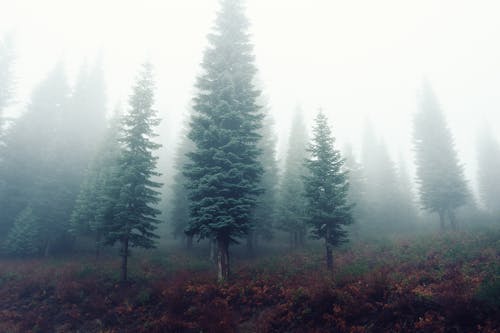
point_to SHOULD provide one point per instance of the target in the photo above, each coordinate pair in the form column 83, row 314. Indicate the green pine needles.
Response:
column 23, row 239
column 326, row 189
column 224, row 169
column 440, row 176
column 133, row 195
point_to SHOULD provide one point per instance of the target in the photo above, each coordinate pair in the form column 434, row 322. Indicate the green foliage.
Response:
column 264, row 214
column 84, row 216
column 94, row 204
column 407, row 208
column 386, row 203
column 488, row 157
column 83, row 130
column 33, row 172
column 132, row 193
column 489, row 291
column 440, row 176
column 357, row 188
column 179, row 216
column 326, row 186
column 292, row 205
column 46, row 152
column 224, row 169
column 23, row 239
column 353, row 271
column 85, row 121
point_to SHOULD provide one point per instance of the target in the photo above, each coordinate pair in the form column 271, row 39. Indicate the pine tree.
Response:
column 54, row 193
column 224, row 170
column 264, row 214
column 357, row 185
column 406, row 199
column 180, row 200
column 32, row 170
column 327, row 189
column 45, row 157
column 93, row 207
column 291, row 202
column 440, row 176
column 23, row 239
column 85, row 120
column 134, row 214
column 83, row 127
column 488, row 158
column 381, row 190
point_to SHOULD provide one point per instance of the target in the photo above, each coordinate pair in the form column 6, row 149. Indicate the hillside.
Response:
column 446, row 283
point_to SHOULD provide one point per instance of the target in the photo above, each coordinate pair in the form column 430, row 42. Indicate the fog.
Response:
column 249, row 166
column 354, row 59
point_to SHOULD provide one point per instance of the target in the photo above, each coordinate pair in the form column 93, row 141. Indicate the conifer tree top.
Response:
column 326, row 186
column 440, row 175
column 224, row 170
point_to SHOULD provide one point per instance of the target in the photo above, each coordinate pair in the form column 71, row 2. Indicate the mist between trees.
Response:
column 74, row 179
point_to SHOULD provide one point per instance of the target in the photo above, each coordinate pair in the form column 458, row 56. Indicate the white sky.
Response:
column 354, row 58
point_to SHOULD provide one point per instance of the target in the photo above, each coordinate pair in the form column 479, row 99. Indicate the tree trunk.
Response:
column 453, row 220
column 441, row 221
column 222, row 260
column 124, row 260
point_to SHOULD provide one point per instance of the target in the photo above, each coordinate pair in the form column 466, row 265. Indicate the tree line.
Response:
column 67, row 170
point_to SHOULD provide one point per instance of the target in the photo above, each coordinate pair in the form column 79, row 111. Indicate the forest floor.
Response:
column 434, row 283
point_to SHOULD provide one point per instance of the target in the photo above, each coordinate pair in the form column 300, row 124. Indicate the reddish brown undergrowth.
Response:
column 435, row 285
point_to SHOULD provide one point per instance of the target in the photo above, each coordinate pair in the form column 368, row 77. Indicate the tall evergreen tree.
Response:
column 224, row 171
column 179, row 215
column 488, row 158
column 94, row 205
column 381, row 190
column 46, row 154
column 440, row 176
column 32, row 170
column 86, row 117
column 54, row 193
column 357, row 185
column 291, row 199
column 264, row 214
column 83, row 126
column 406, row 198
column 23, row 238
column 134, row 213
column 327, row 189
